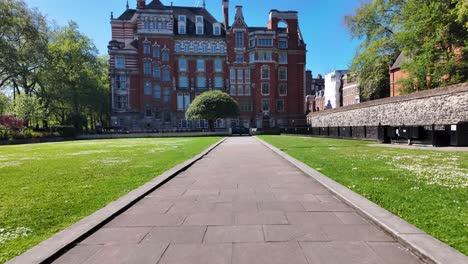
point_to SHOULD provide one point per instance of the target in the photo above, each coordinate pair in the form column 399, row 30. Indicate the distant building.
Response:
column 351, row 93
column 162, row 57
column 314, row 92
column 333, row 89
column 397, row 75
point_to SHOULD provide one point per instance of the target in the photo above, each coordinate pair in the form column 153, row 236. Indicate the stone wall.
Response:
column 448, row 105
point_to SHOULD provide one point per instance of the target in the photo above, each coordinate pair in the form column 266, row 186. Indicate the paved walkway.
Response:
column 240, row 204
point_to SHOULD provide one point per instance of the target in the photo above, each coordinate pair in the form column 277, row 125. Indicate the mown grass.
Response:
column 48, row 187
column 425, row 187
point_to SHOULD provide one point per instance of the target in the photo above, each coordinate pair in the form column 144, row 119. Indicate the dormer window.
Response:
column 216, row 29
column 199, row 25
column 182, row 24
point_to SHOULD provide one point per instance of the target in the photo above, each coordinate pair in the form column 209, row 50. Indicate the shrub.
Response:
column 66, row 131
column 12, row 123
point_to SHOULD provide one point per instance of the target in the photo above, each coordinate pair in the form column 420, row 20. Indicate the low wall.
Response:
column 443, row 106
column 154, row 135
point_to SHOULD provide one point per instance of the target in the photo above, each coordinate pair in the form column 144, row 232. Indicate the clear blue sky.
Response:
column 328, row 42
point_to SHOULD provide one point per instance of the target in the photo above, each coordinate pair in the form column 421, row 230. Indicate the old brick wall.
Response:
column 448, row 105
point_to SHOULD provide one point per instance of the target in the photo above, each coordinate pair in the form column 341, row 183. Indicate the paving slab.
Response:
column 241, row 203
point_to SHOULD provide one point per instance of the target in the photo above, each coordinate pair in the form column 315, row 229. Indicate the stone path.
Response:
column 240, row 204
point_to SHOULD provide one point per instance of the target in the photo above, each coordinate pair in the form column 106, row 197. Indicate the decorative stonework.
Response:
column 200, row 46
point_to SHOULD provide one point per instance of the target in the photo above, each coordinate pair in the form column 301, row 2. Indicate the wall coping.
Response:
column 452, row 89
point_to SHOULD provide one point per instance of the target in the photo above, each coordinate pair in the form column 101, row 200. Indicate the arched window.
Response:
column 282, row 24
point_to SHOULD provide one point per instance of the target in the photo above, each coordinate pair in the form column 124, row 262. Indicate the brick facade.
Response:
column 162, row 57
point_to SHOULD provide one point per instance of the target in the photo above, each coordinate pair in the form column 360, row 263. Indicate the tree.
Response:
column 211, row 106
column 23, row 44
column 375, row 22
column 4, row 103
column 74, row 84
column 434, row 35
column 27, row 108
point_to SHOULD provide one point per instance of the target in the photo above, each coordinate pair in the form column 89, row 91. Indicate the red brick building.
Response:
column 162, row 57
column 397, row 75
column 351, row 91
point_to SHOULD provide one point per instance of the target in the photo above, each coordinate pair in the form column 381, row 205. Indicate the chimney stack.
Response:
column 239, row 12
column 141, row 3
column 226, row 13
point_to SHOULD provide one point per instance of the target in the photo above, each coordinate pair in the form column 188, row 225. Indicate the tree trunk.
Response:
column 211, row 125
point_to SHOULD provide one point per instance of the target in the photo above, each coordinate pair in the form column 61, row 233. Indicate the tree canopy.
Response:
column 58, row 70
column 432, row 33
column 211, row 106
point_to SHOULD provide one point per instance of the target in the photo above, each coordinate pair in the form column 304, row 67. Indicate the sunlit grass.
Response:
column 425, row 187
column 48, row 187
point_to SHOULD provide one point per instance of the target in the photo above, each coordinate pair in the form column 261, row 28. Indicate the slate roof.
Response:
column 127, row 15
column 400, row 60
column 190, row 13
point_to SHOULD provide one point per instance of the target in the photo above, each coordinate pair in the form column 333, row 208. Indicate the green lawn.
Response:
column 426, row 188
column 48, row 187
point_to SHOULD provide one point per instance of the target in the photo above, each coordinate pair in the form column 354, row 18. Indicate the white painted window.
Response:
column 282, row 89
column 265, row 88
column 283, row 74
column 265, row 73
column 265, row 105
column 182, row 25
column 216, row 29
column 199, row 25
column 240, row 75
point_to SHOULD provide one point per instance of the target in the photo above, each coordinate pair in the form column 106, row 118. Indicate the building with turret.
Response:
column 162, row 57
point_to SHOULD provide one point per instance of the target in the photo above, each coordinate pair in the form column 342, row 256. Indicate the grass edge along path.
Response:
column 48, row 187
column 424, row 187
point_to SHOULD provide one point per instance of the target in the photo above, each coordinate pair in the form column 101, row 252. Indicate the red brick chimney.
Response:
column 226, row 13
column 141, row 3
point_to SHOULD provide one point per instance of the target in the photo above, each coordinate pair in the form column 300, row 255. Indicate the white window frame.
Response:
column 261, row 88
column 199, row 25
column 265, row 77
column 217, row 29
column 285, row 70
column 285, row 89
column 182, row 25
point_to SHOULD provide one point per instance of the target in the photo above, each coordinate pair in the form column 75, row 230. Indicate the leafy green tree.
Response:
column 434, row 35
column 375, row 22
column 24, row 36
column 211, row 106
column 4, row 103
column 27, row 108
column 75, row 86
